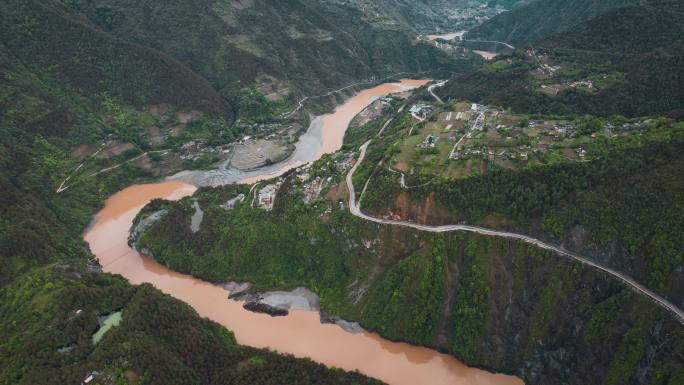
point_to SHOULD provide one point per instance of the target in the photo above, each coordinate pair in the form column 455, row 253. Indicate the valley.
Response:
column 341, row 192
column 301, row 333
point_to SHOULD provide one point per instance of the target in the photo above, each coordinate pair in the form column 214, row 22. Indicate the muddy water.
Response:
column 300, row 333
column 325, row 135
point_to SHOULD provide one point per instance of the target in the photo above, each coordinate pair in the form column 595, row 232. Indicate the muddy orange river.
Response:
column 300, row 333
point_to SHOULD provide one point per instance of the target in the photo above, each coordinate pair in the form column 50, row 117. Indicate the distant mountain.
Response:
column 439, row 16
column 541, row 18
column 200, row 55
column 309, row 45
column 633, row 56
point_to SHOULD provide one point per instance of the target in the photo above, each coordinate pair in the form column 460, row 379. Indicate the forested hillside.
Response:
column 52, row 293
column 88, row 74
column 595, row 208
column 65, row 51
column 86, row 86
column 632, row 56
column 540, row 19
column 311, row 46
column 494, row 303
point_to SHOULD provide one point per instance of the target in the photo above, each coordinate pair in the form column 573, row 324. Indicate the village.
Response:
column 552, row 78
column 313, row 181
column 463, row 139
column 262, row 144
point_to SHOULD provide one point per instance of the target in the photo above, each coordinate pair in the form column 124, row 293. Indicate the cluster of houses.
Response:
column 312, row 188
column 546, row 69
column 429, row 142
column 581, row 84
column 466, row 151
column 472, row 15
column 286, row 131
column 522, row 155
column 194, row 149
column 478, row 108
column 554, row 89
column 478, row 123
column 492, row 153
column 345, row 162
column 267, row 196
column 520, row 143
column 563, row 131
column 421, row 110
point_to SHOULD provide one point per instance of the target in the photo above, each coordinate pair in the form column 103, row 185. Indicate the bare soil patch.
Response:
column 160, row 109
column 337, row 192
column 154, row 135
column 84, row 150
column 255, row 154
column 114, row 148
column 185, row 117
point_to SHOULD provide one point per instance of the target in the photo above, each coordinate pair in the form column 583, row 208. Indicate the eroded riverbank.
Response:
column 324, row 135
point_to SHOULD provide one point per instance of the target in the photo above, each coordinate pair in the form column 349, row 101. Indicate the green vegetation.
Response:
column 642, row 42
column 522, row 195
column 72, row 76
column 255, row 107
column 469, row 310
column 51, row 293
column 627, row 356
column 110, row 321
column 289, row 249
column 648, row 229
column 479, row 298
column 240, row 42
column 80, row 72
column 603, row 198
column 47, row 318
column 419, row 278
column 541, row 18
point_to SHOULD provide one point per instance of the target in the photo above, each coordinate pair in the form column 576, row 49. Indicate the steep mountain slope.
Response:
column 72, row 76
column 633, row 55
column 59, row 47
column 540, row 19
column 51, row 292
column 309, row 45
column 593, row 208
column 72, row 70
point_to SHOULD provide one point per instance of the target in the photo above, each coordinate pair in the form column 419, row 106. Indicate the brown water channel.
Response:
column 300, row 333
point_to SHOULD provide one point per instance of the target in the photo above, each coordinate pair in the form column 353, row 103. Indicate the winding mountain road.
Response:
column 431, row 90
column 355, row 209
column 491, row 41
